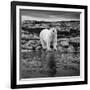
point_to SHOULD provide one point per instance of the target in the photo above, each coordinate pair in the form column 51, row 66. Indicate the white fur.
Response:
column 48, row 36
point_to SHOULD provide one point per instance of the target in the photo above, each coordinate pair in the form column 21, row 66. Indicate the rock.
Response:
column 64, row 43
column 70, row 49
column 60, row 48
column 38, row 47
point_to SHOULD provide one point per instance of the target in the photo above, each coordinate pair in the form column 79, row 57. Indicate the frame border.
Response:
column 13, row 44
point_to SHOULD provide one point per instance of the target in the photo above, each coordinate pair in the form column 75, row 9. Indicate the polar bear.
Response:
column 48, row 37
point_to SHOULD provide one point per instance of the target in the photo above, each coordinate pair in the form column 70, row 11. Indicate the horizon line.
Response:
column 50, row 20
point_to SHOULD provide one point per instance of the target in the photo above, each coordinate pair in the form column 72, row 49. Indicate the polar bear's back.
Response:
column 44, row 33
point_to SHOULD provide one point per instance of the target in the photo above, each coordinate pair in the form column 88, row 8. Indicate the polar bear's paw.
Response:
column 49, row 49
column 55, row 49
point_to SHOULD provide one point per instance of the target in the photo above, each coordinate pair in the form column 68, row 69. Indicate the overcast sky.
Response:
column 42, row 15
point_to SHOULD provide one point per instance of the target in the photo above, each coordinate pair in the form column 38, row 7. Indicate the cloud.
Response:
column 49, row 15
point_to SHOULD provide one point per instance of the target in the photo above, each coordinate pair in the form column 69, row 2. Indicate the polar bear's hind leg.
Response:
column 48, row 46
column 43, row 44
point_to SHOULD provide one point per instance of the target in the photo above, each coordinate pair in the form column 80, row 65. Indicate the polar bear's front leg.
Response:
column 55, row 45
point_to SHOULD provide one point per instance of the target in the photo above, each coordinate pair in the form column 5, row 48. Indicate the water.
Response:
column 38, row 64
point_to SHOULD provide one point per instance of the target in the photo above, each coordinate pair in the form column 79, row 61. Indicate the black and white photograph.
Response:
column 50, row 44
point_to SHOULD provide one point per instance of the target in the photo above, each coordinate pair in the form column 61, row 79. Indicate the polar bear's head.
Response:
column 53, row 31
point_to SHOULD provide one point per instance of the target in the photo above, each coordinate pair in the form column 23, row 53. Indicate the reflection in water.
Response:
column 48, row 63
column 35, row 64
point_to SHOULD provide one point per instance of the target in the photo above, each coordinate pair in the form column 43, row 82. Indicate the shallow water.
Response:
column 35, row 64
